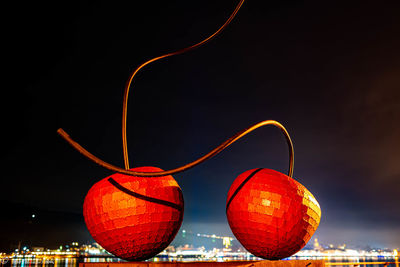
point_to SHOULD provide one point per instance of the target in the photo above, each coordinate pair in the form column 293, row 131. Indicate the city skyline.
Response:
column 188, row 240
column 328, row 72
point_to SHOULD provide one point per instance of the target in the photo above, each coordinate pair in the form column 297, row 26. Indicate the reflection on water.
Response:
column 335, row 261
column 74, row 262
column 53, row 262
column 379, row 261
column 45, row 262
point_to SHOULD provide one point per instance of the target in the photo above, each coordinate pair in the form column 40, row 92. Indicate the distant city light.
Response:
column 226, row 241
column 225, row 252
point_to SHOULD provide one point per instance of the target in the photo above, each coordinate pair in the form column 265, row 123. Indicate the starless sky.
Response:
column 329, row 72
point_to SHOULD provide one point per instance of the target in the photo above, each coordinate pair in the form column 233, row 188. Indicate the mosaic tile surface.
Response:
column 272, row 215
column 134, row 218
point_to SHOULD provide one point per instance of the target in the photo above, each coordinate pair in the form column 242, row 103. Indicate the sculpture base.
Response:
column 262, row 263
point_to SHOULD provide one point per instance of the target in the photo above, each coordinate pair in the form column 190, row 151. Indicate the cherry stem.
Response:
column 207, row 156
column 129, row 82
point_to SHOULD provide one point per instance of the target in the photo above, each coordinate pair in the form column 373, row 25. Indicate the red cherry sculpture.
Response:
column 134, row 218
column 272, row 215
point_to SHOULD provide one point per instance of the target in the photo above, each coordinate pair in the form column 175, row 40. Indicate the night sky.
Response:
column 329, row 72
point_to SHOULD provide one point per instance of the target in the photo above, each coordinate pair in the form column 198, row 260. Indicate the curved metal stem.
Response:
column 207, row 156
column 129, row 82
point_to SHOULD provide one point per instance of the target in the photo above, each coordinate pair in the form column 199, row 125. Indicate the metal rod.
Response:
column 129, row 82
column 207, row 156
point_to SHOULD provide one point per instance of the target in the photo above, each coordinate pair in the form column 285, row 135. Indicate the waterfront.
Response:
column 74, row 261
column 70, row 255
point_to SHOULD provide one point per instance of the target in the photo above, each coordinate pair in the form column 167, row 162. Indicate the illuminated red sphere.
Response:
column 272, row 215
column 132, row 217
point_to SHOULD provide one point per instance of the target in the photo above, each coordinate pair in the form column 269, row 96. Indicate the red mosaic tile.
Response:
column 134, row 218
column 272, row 215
